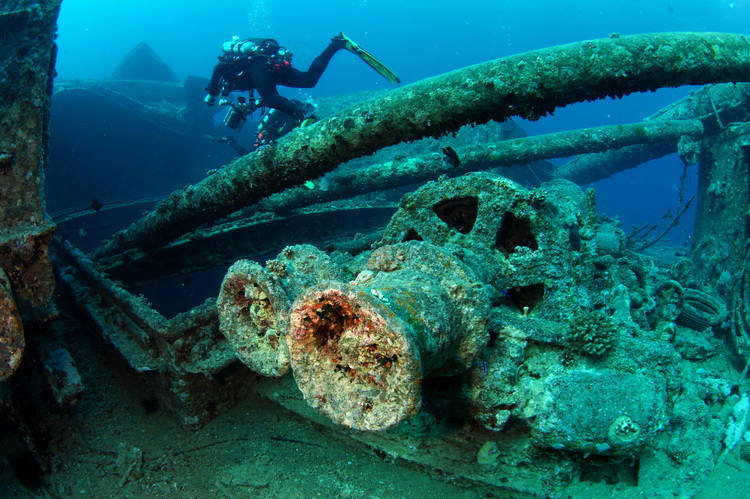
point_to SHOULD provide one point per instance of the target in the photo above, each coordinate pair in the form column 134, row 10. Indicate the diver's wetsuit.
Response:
column 260, row 73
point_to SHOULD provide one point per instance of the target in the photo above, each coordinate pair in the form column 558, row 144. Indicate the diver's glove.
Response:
column 339, row 42
column 210, row 99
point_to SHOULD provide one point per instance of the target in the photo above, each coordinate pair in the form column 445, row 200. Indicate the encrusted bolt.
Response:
column 623, row 431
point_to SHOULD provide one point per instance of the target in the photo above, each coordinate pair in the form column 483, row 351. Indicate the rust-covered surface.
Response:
column 254, row 304
column 185, row 359
column 26, row 71
column 723, row 197
column 12, row 341
column 360, row 350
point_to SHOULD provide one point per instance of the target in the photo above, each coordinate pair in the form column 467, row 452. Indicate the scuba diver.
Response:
column 261, row 64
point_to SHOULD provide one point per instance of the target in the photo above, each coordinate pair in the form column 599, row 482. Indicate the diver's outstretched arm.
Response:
column 290, row 77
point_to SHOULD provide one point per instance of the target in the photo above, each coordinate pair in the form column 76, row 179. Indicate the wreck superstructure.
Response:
column 28, row 55
column 560, row 341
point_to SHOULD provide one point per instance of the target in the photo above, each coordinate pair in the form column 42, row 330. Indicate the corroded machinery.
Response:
column 418, row 306
column 564, row 342
column 360, row 350
column 254, row 304
column 401, row 319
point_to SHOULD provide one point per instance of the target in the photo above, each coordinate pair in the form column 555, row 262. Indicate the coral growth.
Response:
column 592, row 332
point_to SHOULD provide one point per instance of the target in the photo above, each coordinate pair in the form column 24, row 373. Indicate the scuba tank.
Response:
column 250, row 47
column 236, row 55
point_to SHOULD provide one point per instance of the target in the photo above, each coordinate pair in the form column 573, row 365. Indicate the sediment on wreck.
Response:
column 529, row 85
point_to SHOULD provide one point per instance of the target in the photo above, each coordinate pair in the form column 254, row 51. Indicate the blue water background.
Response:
column 417, row 39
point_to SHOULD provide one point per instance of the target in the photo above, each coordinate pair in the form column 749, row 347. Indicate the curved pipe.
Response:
column 529, row 85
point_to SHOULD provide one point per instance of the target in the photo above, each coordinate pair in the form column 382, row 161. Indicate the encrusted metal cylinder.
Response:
column 12, row 340
column 360, row 350
column 254, row 304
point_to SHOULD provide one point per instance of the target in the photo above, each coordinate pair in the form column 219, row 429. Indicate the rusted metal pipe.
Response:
column 360, row 350
column 529, row 85
column 506, row 153
column 714, row 105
